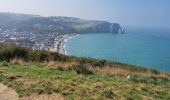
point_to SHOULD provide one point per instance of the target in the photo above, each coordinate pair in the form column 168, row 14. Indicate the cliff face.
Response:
column 98, row 28
column 103, row 28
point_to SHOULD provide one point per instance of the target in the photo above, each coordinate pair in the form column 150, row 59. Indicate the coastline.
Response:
column 60, row 43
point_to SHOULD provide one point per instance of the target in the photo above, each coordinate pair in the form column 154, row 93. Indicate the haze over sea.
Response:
column 149, row 47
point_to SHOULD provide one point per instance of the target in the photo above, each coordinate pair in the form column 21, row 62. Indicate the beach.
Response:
column 59, row 44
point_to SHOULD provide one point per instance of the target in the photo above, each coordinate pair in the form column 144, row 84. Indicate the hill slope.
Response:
column 38, row 72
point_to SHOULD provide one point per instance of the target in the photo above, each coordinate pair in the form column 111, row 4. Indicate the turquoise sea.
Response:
column 149, row 47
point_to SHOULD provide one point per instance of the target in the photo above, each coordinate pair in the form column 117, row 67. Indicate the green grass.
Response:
column 27, row 79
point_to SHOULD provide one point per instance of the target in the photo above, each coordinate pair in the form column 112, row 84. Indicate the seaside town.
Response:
column 53, row 42
column 47, row 33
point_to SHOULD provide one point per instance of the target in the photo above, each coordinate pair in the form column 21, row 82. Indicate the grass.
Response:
column 15, row 54
column 31, row 78
column 40, row 72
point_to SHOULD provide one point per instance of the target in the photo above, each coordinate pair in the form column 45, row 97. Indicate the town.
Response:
column 47, row 42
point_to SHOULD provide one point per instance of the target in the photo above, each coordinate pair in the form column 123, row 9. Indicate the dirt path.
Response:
column 7, row 93
column 43, row 97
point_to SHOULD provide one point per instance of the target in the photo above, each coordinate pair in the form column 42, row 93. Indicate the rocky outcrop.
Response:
column 116, row 28
column 104, row 28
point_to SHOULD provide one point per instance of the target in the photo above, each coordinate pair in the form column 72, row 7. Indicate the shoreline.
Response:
column 60, row 43
column 66, row 40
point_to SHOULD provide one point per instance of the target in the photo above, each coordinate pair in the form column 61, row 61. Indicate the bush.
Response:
column 42, row 56
column 81, row 69
column 10, row 52
column 61, row 68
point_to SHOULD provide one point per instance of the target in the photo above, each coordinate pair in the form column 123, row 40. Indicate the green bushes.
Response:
column 37, row 56
column 93, row 62
column 8, row 52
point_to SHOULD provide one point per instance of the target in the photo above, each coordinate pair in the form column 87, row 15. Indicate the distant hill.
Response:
column 40, row 24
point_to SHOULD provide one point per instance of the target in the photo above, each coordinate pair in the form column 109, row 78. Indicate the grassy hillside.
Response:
column 38, row 72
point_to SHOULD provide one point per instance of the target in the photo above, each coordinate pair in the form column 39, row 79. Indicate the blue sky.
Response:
column 155, row 13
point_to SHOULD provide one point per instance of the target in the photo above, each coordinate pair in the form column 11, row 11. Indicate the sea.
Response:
column 142, row 46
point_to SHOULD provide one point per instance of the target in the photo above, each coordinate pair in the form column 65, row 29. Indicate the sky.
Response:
column 153, row 13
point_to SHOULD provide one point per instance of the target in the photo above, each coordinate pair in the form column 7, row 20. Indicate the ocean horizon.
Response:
column 148, row 47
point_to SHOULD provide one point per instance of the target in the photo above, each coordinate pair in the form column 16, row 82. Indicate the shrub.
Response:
column 61, row 68
column 42, row 56
column 81, row 69
column 10, row 52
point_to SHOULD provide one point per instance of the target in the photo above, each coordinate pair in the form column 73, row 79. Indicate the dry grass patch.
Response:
column 55, row 64
column 16, row 61
column 115, row 70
